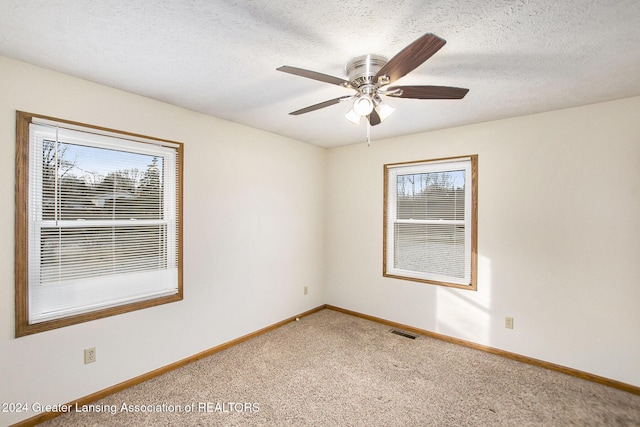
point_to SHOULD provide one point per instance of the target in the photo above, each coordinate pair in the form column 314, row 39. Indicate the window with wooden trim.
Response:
column 430, row 221
column 98, row 222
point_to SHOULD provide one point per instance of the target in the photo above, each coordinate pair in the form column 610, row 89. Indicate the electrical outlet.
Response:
column 306, row 290
column 508, row 322
column 89, row 355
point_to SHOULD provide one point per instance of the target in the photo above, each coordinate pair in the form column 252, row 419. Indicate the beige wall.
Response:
column 559, row 227
column 253, row 238
column 558, row 233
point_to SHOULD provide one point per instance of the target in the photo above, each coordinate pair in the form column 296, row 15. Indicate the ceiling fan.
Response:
column 370, row 76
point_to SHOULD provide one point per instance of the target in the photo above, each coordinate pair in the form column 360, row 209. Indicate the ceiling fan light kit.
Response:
column 353, row 117
column 363, row 105
column 383, row 110
column 370, row 76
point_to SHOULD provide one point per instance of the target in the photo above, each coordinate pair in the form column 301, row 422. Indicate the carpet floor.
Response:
column 333, row 369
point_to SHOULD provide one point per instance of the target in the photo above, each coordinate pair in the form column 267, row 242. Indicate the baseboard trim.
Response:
column 163, row 370
column 152, row 374
column 514, row 356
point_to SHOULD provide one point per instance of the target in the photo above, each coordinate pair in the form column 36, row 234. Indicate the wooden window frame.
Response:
column 22, row 325
column 387, row 240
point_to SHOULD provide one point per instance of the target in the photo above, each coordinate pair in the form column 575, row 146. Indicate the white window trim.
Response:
column 90, row 294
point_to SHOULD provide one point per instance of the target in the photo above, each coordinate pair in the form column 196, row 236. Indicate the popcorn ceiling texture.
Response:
column 517, row 57
column 333, row 369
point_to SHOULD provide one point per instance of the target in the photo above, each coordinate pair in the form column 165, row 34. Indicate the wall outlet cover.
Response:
column 89, row 355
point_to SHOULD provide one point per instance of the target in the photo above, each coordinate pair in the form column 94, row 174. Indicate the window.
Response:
column 430, row 221
column 98, row 222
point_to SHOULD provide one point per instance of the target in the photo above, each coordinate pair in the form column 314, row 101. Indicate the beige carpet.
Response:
column 332, row 369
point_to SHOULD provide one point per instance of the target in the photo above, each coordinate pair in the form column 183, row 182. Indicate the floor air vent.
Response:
column 403, row 334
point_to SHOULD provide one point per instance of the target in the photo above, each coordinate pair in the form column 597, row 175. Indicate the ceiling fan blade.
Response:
column 428, row 92
column 374, row 118
column 410, row 57
column 314, row 75
column 320, row 105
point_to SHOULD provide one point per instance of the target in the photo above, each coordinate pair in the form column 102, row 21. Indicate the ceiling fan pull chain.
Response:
column 368, row 134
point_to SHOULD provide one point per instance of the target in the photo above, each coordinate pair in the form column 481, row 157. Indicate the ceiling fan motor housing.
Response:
column 362, row 69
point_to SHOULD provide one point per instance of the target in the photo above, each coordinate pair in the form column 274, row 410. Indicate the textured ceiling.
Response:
column 220, row 57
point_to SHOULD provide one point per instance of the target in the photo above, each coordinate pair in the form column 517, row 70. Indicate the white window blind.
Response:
column 428, row 221
column 102, row 221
